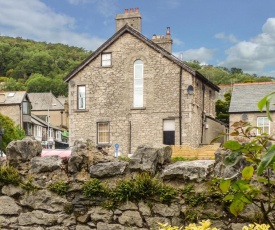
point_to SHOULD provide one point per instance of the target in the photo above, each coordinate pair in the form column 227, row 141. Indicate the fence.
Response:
column 204, row 152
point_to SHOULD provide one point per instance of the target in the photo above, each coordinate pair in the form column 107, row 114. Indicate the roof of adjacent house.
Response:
column 128, row 29
column 246, row 96
column 44, row 101
column 12, row 97
column 37, row 121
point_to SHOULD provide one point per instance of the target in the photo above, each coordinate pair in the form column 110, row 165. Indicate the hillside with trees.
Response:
column 37, row 66
column 40, row 67
column 224, row 76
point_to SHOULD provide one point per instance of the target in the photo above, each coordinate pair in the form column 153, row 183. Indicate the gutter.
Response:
column 180, row 109
column 202, row 113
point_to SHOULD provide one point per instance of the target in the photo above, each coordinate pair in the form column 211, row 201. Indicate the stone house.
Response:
column 243, row 105
column 46, row 105
column 17, row 106
column 133, row 91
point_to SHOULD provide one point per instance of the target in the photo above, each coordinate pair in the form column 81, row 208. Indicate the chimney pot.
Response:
column 136, row 10
column 131, row 10
column 168, row 32
column 126, row 11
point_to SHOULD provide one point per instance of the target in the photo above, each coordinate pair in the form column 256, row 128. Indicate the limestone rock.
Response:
column 82, row 227
column 44, row 199
column 45, row 164
column 108, row 169
column 128, row 206
column 83, row 155
column 8, row 206
column 103, row 226
column 12, row 190
column 4, row 222
column 165, row 210
column 100, row 214
column 131, row 218
column 221, row 170
column 144, row 209
column 147, row 158
column 153, row 221
column 37, row 217
column 23, row 150
column 189, row 170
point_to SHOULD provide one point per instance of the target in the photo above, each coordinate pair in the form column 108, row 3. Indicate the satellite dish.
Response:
column 190, row 89
column 244, row 117
column 72, row 83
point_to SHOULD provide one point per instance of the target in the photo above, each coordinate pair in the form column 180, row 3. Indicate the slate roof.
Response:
column 43, row 101
column 36, row 120
column 12, row 97
column 128, row 29
column 245, row 97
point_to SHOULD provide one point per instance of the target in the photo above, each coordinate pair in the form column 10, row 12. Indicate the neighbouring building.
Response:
column 133, row 91
column 243, row 105
column 17, row 106
column 46, row 105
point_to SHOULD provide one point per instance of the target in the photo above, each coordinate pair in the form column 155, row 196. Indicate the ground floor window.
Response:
column 169, row 132
column 264, row 124
column 103, row 133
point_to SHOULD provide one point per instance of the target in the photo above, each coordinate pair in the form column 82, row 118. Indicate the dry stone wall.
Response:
column 34, row 206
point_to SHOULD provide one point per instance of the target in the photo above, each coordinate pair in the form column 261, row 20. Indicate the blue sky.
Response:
column 235, row 33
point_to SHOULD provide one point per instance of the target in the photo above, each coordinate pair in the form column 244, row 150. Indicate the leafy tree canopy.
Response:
column 21, row 59
column 11, row 131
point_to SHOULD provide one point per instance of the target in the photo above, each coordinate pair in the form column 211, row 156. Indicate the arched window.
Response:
column 138, row 83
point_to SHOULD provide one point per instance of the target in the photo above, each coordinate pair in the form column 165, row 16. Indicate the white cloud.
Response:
column 230, row 37
column 203, row 55
column 177, row 41
column 255, row 55
column 32, row 19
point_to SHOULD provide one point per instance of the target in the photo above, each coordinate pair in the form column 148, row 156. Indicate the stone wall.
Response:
column 33, row 206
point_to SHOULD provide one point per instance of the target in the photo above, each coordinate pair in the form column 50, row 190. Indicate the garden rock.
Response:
column 189, row 170
column 12, row 190
column 44, row 200
column 45, row 164
column 131, row 218
column 23, row 150
column 147, row 158
column 108, row 169
column 37, row 217
column 8, row 206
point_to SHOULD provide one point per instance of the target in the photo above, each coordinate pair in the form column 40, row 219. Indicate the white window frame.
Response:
column 58, row 135
column 38, row 131
column 264, row 124
column 138, row 84
column 106, row 59
column 103, row 131
column 81, row 97
column 51, row 133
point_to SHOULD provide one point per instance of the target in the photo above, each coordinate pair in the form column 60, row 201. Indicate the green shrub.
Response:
column 9, row 175
column 123, row 192
column 28, row 186
column 60, row 187
column 166, row 193
column 94, row 188
column 178, row 158
column 123, row 158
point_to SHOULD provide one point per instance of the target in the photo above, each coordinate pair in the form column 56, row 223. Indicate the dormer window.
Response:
column 106, row 59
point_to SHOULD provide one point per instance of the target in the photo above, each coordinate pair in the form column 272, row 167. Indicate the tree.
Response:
column 12, row 131
column 222, row 108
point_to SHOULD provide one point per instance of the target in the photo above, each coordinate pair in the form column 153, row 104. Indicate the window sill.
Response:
column 138, row 108
column 99, row 146
column 107, row 66
column 81, row 110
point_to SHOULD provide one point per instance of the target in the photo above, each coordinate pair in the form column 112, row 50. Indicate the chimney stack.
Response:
column 164, row 41
column 131, row 17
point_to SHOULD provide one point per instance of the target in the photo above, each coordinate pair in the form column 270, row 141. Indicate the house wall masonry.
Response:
column 109, row 98
column 14, row 112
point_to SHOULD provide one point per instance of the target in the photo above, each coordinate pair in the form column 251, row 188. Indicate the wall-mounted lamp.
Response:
column 190, row 89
